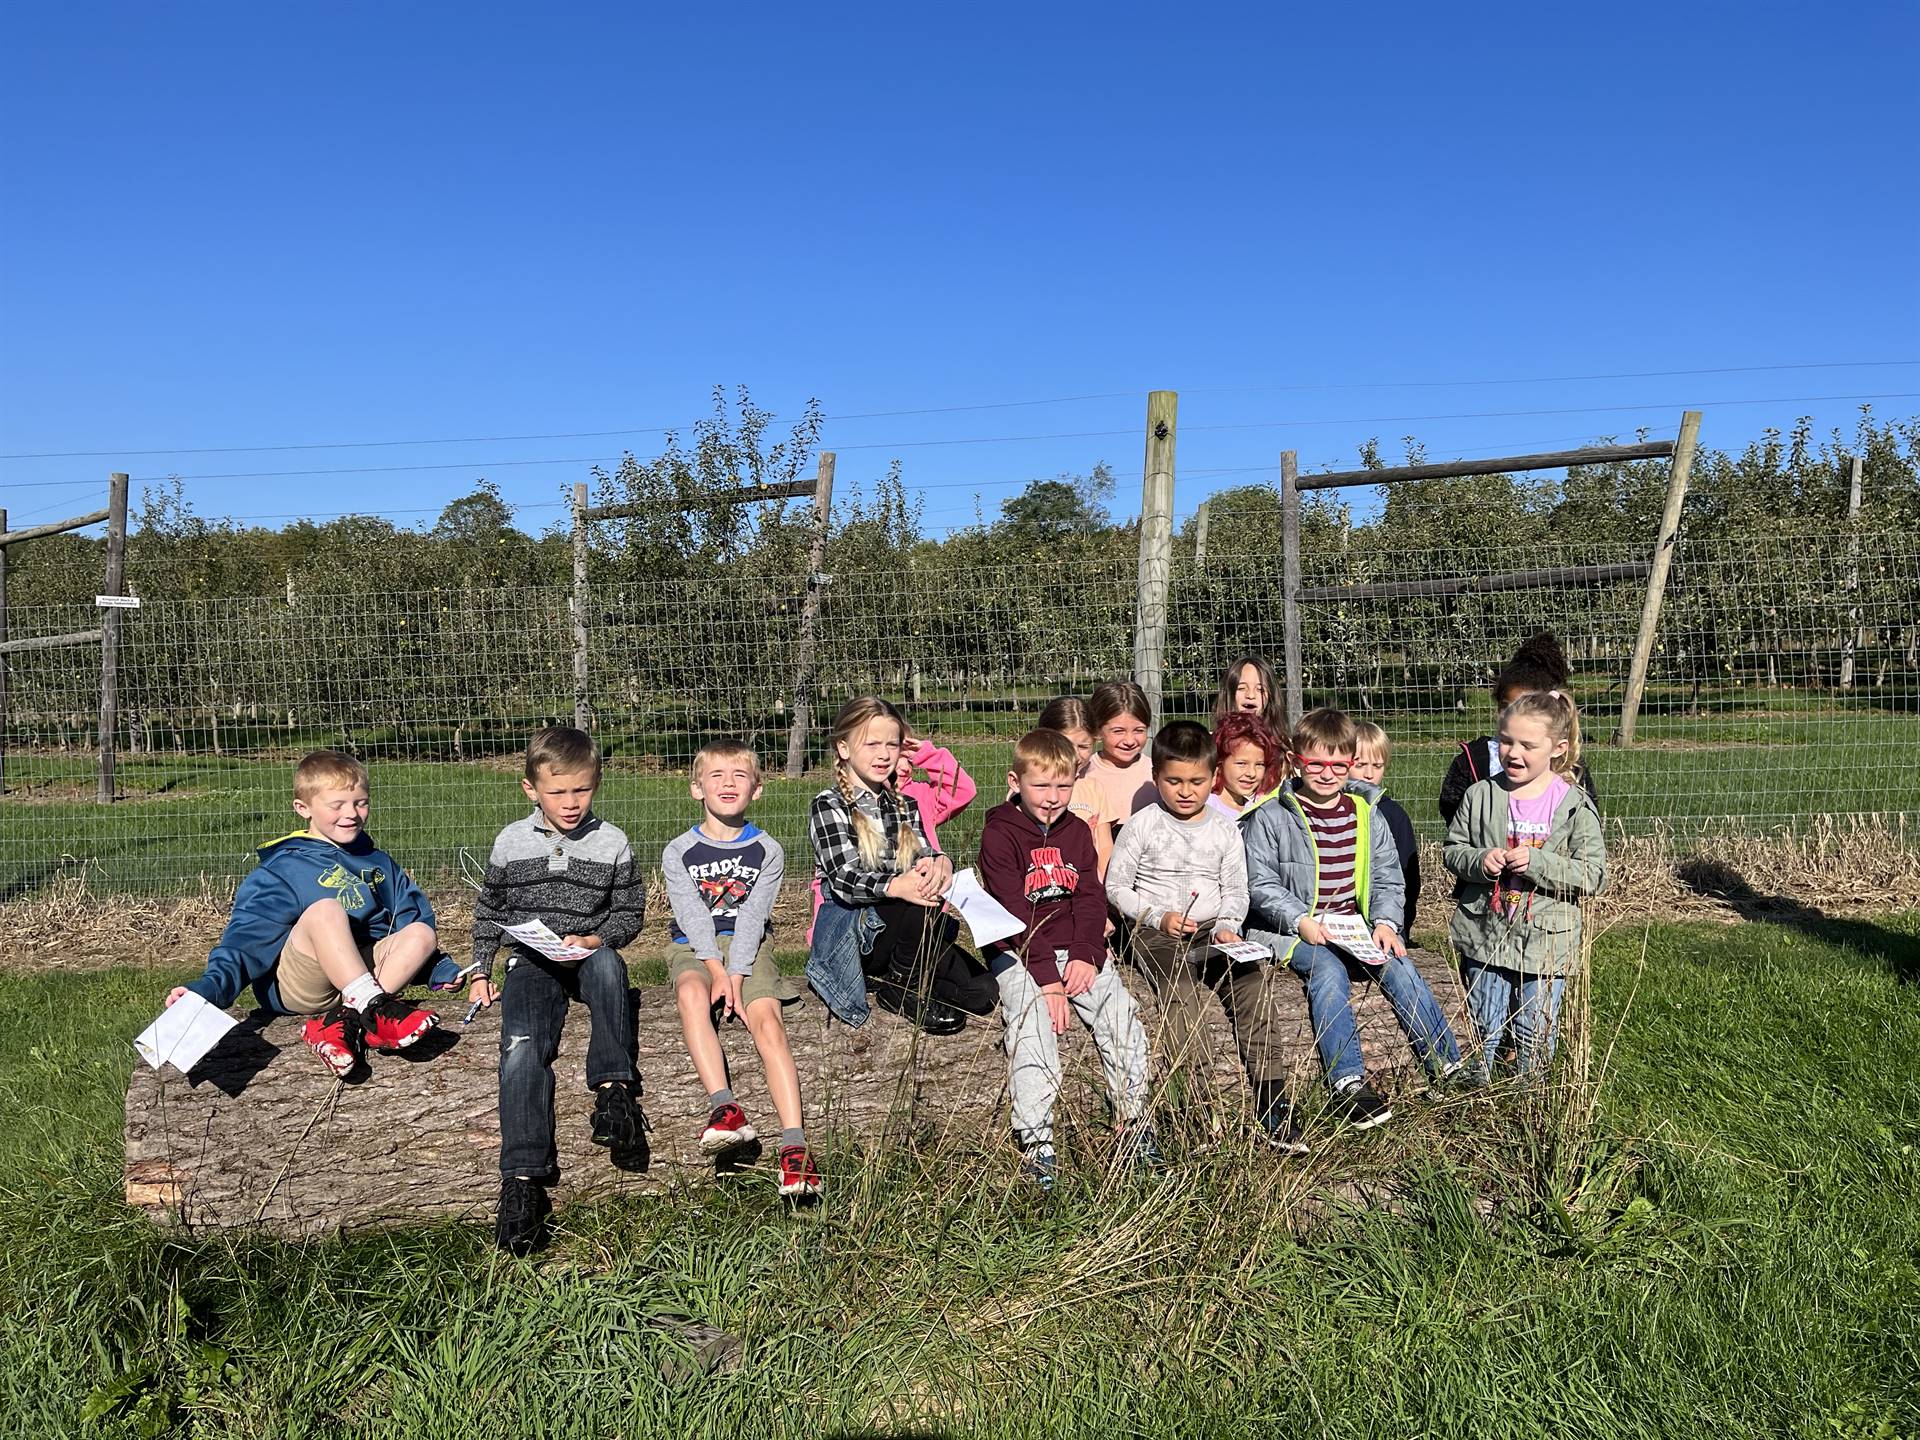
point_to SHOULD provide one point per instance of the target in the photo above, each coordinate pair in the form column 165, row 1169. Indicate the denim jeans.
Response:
column 1533, row 1001
column 1329, row 977
column 533, row 1007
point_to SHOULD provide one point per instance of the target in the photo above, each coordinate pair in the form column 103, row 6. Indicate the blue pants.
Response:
column 1494, row 993
column 1329, row 976
column 533, row 1007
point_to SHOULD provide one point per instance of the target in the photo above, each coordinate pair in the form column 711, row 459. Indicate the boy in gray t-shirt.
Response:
column 722, row 878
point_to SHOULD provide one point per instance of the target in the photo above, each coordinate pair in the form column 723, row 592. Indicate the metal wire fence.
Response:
column 1785, row 685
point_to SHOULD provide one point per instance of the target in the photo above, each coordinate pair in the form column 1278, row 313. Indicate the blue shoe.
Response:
column 1037, row 1164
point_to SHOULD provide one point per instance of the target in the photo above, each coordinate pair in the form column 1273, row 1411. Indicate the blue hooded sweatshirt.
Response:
column 294, row 871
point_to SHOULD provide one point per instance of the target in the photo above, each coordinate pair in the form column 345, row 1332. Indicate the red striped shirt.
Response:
column 1336, row 840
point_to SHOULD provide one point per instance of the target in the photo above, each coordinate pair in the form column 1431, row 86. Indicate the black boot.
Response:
column 935, row 1017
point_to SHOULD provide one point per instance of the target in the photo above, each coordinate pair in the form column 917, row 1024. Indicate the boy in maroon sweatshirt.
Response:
column 1037, row 859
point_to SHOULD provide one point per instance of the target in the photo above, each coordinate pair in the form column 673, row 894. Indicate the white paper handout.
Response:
column 1351, row 934
column 987, row 919
column 184, row 1033
column 538, row 938
column 1245, row 952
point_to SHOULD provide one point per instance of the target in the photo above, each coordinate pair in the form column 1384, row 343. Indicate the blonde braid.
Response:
column 866, row 834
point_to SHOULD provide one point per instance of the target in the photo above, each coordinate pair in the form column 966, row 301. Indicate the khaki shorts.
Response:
column 765, row 983
column 304, row 987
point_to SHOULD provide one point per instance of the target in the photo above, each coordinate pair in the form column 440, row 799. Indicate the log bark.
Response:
column 262, row 1137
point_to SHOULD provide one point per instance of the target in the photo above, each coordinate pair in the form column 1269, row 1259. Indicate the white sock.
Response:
column 359, row 993
column 1349, row 1085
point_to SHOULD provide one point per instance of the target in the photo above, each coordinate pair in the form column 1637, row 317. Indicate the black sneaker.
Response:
column 1280, row 1128
column 521, row 1227
column 1140, row 1148
column 1360, row 1106
column 935, row 1017
column 618, row 1121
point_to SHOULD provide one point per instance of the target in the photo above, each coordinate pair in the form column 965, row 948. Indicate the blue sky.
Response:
column 249, row 226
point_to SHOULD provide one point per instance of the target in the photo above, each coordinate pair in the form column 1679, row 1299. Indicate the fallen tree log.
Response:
column 263, row 1137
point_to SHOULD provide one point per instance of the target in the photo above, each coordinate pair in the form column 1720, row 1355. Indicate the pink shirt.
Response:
column 1530, row 821
column 1121, row 784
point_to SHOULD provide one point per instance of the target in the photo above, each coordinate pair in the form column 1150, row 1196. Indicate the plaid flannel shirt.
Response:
column 836, row 854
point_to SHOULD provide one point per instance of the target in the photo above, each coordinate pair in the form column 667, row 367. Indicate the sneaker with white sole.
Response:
column 727, row 1129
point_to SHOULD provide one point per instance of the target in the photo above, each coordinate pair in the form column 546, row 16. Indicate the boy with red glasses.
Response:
column 1320, row 850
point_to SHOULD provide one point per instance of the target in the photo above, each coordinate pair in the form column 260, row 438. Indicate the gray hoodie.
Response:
column 1283, row 868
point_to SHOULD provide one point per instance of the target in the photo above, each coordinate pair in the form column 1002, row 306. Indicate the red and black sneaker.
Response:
column 798, row 1174
column 337, row 1038
column 727, row 1129
column 393, row 1024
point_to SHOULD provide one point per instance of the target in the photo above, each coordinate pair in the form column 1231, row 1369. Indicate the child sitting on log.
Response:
column 723, row 877
column 327, row 926
column 567, row 868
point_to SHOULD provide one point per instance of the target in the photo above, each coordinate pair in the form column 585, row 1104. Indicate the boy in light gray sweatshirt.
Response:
column 1179, row 874
column 722, row 878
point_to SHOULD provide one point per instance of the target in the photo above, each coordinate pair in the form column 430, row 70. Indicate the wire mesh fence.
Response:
column 1785, row 685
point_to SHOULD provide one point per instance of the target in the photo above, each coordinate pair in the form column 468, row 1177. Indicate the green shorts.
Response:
column 765, row 983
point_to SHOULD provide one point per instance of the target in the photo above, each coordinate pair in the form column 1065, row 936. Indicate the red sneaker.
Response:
column 336, row 1037
column 393, row 1024
column 726, row 1129
column 798, row 1174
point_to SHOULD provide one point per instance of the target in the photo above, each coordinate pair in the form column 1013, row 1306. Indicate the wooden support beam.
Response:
column 3, row 651
column 1551, row 578
column 1454, row 469
column 577, row 604
column 1663, row 549
column 50, row 642
column 110, row 635
column 745, row 495
column 1156, row 549
column 1290, row 584
column 40, row 532
column 821, row 488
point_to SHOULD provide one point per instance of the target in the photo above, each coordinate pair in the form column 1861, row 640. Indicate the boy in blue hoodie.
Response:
column 327, row 926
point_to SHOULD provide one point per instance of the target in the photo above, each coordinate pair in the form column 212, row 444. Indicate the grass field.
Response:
column 1733, row 1252
column 185, row 818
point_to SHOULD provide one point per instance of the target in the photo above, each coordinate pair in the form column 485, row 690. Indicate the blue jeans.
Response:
column 1533, row 1001
column 533, row 1007
column 1329, row 976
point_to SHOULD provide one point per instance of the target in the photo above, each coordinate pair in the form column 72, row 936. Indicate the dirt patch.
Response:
column 71, row 792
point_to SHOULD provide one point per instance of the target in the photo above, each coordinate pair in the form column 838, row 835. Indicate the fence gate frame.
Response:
column 108, row 635
column 1679, row 451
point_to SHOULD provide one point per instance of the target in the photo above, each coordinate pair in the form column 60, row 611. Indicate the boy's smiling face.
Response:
column 1323, row 775
column 564, row 796
column 726, row 785
column 1184, row 786
column 337, row 813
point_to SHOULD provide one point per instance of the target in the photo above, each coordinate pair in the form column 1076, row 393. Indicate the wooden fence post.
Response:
column 110, row 633
column 803, row 659
column 1677, row 477
column 1290, row 582
column 577, row 606
column 1200, row 539
column 1156, row 549
column 3, row 655
column 1853, row 577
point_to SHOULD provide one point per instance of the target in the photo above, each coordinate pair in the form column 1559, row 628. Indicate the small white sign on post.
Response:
column 117, row 602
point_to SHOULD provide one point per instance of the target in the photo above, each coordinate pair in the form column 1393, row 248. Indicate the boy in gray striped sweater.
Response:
column 566, row 867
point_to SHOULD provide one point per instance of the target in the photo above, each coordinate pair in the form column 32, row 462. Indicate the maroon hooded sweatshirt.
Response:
column 1051, row 879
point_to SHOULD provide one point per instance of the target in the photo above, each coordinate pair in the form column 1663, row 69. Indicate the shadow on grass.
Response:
column 1717, row 880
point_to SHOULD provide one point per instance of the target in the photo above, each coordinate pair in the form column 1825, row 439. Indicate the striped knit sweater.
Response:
column 579, row 883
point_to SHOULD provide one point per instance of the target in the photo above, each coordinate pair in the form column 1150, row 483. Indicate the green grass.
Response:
column 196, row 817
column 1734, row 1254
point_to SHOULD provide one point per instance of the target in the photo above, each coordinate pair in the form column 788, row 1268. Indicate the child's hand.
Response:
column 1517, row 858
column 481, row 992
column 583, row 942
column 1226, row 935
column 1493, row 862
column 1388, row 939
column 173, row 995
column 1175, row 924
column 1079, row 976
column 1311, row 931
column 912, row 887
column 938, row 870
column 1059, row 1010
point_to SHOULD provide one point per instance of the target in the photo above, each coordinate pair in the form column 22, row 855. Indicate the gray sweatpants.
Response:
column 1033, row 1051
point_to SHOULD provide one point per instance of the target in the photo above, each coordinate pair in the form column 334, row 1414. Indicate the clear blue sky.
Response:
column 228, row 225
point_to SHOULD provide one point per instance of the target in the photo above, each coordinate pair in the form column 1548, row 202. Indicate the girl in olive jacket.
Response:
column 1526, row 848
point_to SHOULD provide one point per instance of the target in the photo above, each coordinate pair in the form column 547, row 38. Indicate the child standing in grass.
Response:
column 722, row 879
column 1318, row 850
column 1037, row 860
column 1371, row 754
column 1068, row 716
column 566, row 867
column 327, row 926
column 1527, row 849
column 1179, row 875
column 1249, row 766
column 1120, row 716
column 881, row 882
column 1539, row 664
